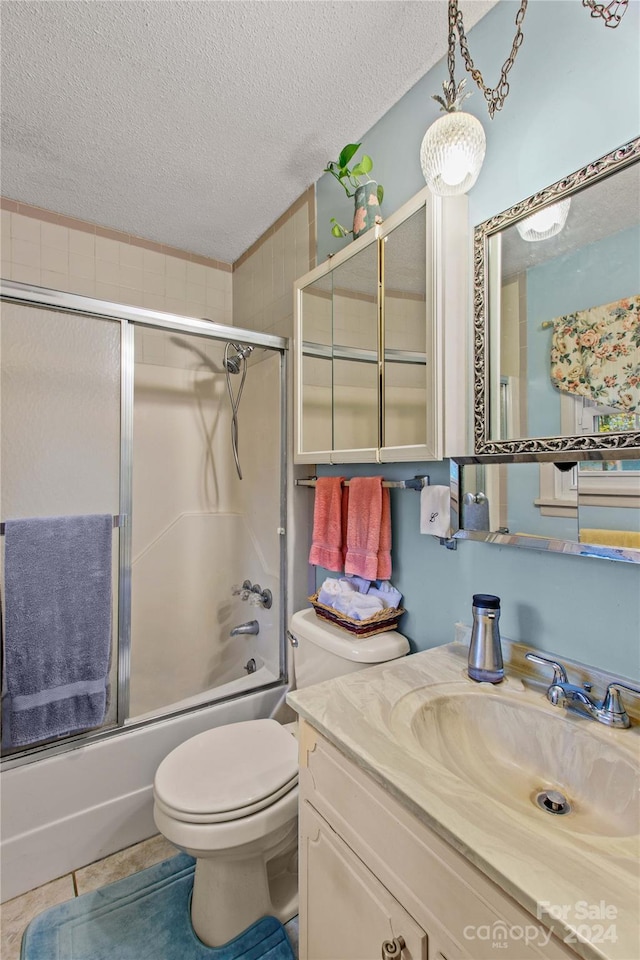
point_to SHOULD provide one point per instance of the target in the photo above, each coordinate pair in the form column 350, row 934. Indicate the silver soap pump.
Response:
column 485, row 652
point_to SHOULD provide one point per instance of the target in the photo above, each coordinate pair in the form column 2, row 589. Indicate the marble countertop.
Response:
column 589, row 879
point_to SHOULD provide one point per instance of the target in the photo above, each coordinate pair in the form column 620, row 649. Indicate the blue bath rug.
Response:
column 143, row 917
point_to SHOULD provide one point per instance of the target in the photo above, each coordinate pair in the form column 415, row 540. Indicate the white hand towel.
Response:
column 435, row 511
column 332, row 588
column 386, row 592
column 358, row 606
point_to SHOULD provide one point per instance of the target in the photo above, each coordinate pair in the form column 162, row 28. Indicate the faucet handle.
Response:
column 244, row 591
column 612, row 704
column 260, row 597
column 559, row 672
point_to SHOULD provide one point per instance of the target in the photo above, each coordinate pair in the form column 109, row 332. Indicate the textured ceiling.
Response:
column 198, row 123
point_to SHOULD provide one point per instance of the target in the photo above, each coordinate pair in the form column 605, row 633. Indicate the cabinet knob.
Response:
column 392, row 949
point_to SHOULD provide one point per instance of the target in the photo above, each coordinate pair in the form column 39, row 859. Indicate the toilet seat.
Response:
column 227, row 773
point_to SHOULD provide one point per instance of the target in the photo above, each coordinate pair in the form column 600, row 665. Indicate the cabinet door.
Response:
column 345, row 912
column 356, row 381
column 411, row 428
column 337, row 370
column 314, row 371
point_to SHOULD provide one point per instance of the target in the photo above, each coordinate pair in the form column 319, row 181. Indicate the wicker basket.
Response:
column 380, row 622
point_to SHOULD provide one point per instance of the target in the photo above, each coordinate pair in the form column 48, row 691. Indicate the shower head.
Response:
column 233, row 364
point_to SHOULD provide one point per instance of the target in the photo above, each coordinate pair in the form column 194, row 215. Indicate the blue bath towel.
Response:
column 57, row 641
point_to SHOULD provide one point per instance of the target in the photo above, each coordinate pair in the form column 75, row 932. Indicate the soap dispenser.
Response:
column 485, row 652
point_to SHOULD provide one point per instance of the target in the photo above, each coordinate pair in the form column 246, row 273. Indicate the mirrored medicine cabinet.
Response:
column 374, row 375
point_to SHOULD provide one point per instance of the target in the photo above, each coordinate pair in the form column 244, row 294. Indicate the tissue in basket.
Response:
column 380, row 622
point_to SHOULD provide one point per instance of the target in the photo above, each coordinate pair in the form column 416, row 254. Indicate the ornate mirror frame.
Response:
column 534, row 447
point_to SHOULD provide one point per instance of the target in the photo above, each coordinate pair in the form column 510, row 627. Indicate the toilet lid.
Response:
column 228, row 772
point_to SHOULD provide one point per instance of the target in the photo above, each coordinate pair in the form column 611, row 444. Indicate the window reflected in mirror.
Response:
column 590, row 503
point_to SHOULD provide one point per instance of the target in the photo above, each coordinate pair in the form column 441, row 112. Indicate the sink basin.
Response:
column 514, row 748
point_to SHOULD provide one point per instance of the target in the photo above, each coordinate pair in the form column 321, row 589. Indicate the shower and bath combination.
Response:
column 186, row 533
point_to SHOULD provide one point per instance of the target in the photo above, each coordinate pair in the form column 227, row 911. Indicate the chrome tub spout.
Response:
column 251, row 628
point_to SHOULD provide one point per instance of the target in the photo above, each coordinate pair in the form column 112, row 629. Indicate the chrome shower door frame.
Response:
column 130, row 317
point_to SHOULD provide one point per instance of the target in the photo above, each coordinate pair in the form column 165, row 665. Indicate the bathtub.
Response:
column 65, row 811
column 234, row 683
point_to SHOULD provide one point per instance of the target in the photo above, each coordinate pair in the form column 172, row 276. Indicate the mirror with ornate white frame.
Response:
column 557, row 316
column 589, row 507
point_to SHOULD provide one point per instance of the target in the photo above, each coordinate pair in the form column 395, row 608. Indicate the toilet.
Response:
column 229, row 796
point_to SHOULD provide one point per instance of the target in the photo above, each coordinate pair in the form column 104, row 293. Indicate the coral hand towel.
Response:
column 364, row 528
column 384, row 547
column 326, row 546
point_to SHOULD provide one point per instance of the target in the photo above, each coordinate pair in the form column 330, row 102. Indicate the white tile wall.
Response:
column 258, row 295
column 47, row 254
column 263, row 283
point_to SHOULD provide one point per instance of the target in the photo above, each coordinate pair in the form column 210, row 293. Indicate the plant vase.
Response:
column 367, row 208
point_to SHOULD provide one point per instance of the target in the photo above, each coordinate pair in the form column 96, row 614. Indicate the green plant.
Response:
column 350, row 178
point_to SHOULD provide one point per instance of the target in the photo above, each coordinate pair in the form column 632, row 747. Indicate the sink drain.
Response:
column 553, row 802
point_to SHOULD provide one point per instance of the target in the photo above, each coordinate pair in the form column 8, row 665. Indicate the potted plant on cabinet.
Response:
column 368, row 195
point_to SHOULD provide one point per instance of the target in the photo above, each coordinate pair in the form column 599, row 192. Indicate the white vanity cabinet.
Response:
column 380, row 341
column 375, row 882
column 352, row 914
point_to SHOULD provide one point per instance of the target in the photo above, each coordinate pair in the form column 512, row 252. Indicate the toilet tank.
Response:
column 322, row 651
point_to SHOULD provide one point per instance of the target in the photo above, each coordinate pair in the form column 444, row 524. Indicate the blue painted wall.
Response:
column 575, row 95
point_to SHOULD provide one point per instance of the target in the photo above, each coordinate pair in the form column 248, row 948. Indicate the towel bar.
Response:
column 119, row 520
column 416, row 483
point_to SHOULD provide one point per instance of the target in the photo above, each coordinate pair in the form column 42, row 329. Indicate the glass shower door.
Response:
column 199, row 531
column 60, row 409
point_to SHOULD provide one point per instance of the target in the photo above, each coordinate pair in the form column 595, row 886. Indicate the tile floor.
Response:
column 17, row 913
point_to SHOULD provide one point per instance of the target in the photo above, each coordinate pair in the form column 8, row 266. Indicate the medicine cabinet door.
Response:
column 409, row 412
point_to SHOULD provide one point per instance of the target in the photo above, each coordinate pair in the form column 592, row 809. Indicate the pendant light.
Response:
column 454, row 146
column 544, row 223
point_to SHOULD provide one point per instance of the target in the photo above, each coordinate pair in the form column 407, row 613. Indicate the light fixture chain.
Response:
column 451, row 52
column 495, row 96
column 608, row 12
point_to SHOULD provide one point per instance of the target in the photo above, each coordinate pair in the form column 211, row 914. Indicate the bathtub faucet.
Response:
column 252, row 627
column 254, row 593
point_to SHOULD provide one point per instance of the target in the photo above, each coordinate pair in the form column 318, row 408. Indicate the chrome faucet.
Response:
column 254, row 593
column 561, row 693
column 252, row 627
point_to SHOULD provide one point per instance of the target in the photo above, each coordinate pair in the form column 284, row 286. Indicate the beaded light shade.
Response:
column 454, row 146
column 452, row 153
column 545, row 223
